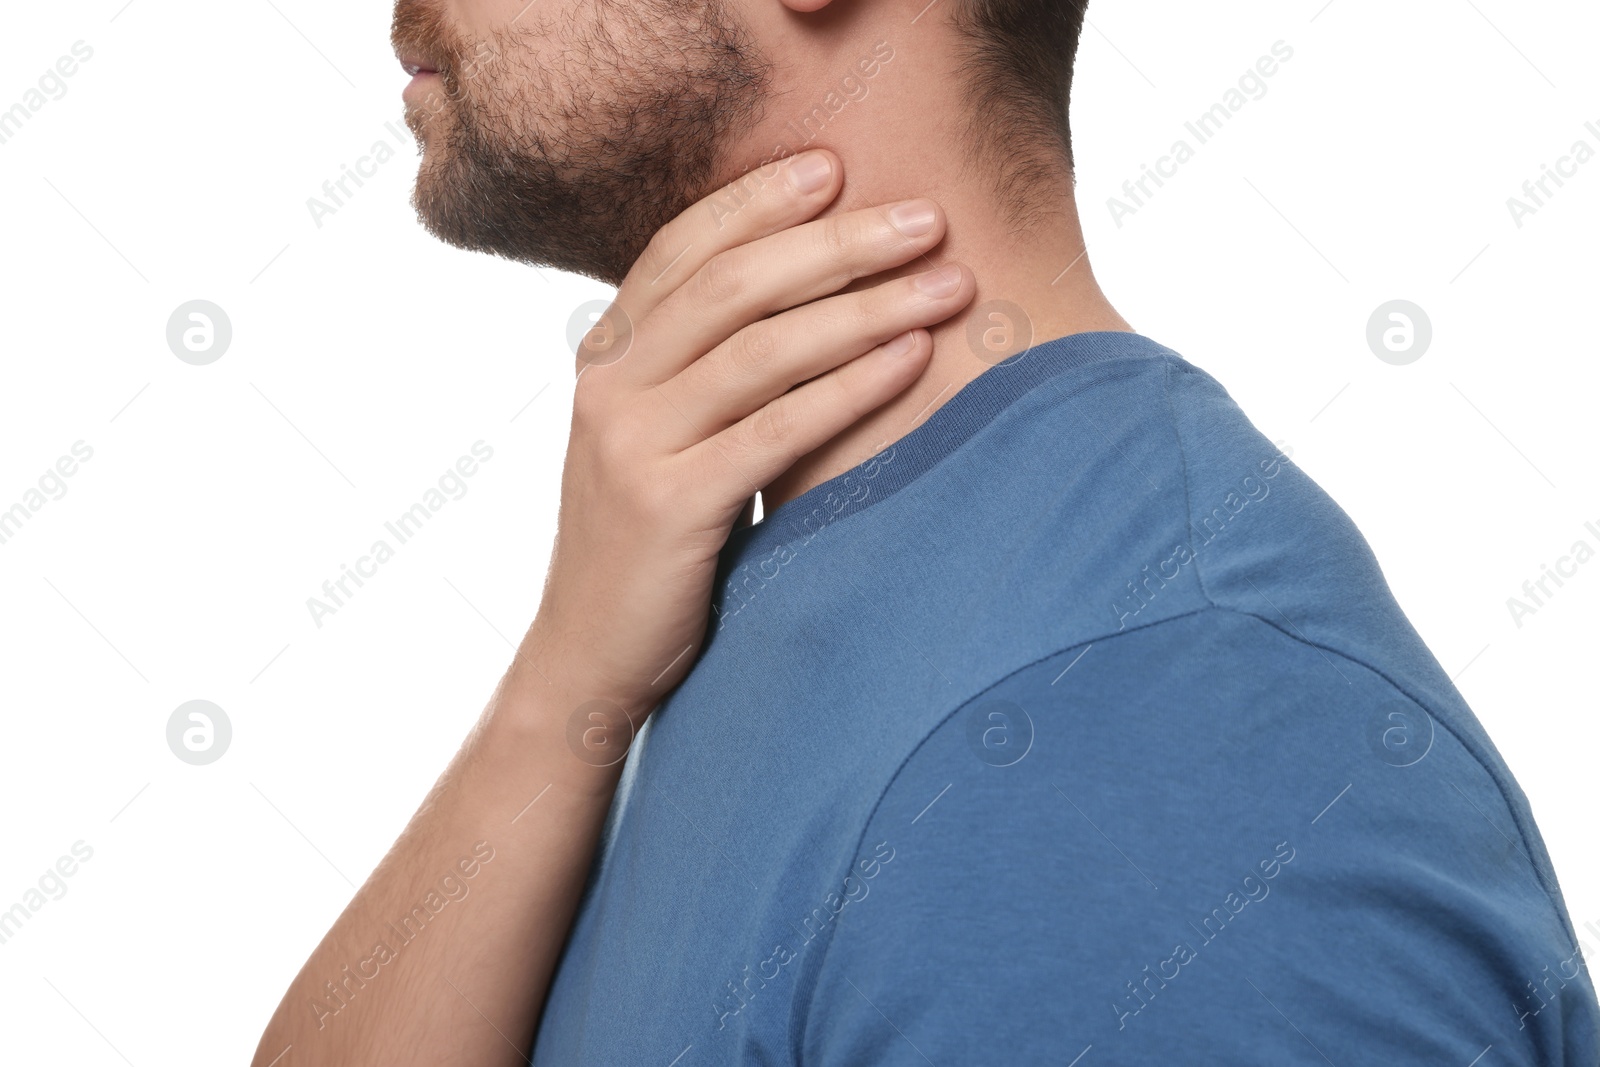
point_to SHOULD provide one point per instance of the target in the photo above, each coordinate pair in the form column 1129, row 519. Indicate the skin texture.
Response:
column 748, row 349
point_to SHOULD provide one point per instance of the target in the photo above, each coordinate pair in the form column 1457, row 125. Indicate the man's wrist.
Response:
column 552, row 708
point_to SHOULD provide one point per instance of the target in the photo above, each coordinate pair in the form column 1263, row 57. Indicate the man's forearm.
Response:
column 446, row 953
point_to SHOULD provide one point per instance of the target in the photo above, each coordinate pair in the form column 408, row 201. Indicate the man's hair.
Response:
column 1019, row 67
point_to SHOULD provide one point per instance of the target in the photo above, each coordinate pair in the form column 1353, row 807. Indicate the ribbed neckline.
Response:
column 950, row 426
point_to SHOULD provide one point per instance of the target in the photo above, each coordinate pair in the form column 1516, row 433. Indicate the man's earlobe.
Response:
column 805, row 5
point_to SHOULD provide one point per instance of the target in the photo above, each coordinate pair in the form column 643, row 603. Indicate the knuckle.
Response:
column 754, row 349
column 722, row 280
column 771, row 427
column 875, row 309
column 840, row 239
column 858, row 318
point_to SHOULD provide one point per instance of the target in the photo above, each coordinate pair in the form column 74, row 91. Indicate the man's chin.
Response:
column 460, row 220
column 418, row 120
column 594, row 219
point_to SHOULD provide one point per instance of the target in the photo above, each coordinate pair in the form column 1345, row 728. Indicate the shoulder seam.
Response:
column 1199, row 572
column 1183, row 468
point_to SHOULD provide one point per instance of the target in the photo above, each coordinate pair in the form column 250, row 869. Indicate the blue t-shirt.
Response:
column 1077, row 727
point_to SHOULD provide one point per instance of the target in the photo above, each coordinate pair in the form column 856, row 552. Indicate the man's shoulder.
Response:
column 1117, row 836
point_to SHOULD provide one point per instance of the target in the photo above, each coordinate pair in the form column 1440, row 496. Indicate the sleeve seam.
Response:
column 894, row 778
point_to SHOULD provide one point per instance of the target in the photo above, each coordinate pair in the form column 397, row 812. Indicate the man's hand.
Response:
column 727, row 360
column 690, row 398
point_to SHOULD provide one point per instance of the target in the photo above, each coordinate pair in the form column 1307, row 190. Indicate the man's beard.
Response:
column 576, row 163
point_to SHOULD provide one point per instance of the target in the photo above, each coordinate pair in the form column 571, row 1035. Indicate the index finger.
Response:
column 754, row 205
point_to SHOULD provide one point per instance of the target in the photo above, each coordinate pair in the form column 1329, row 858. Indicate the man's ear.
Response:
column 805, row 5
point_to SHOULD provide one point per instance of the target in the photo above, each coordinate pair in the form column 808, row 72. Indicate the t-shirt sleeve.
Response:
column 1201, row 842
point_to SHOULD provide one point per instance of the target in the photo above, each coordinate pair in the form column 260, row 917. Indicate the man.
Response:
column 1049, row 715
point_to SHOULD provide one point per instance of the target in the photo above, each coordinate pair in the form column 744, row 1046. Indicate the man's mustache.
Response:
column 421, row 36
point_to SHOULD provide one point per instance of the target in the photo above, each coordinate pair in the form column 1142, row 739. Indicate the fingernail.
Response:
column 912, row 218
column 810, row 172
column 901, row 345
column 941, row 282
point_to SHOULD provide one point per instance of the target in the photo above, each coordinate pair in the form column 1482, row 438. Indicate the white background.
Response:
column 366, row 358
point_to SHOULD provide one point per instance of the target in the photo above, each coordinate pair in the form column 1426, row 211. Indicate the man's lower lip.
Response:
column 421, row 78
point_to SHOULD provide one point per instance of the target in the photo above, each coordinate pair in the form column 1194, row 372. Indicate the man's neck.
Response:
column 1031, row 289
column 907, row 131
